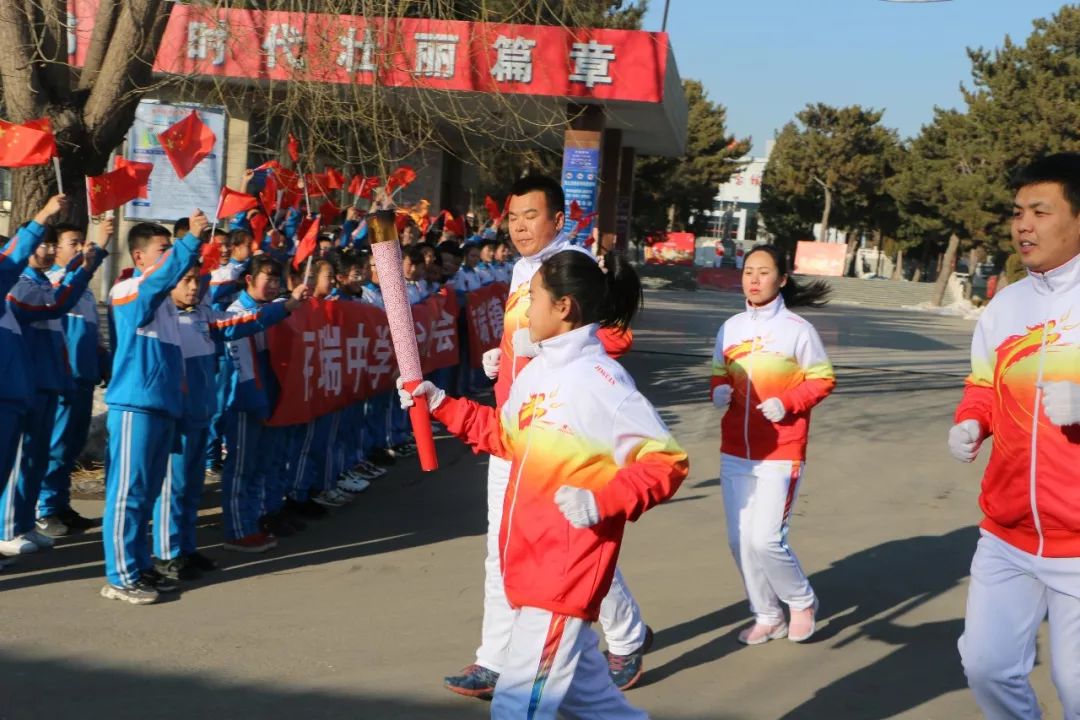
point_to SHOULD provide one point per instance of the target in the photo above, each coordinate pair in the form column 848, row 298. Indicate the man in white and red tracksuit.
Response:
column 1024, row 390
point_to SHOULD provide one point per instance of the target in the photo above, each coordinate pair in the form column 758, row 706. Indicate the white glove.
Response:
column 965, row 439
column 434, row 395
column 490, row 361
column 721, row 397
column 578, row 506
column 773, row 409
column 523, row 344
column 1061, row 402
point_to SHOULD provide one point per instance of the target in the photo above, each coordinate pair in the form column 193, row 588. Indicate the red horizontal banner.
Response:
column 484, row 311
column 330, row 354
column 402, row 52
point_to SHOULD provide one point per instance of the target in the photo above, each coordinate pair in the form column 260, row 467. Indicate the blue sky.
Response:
column 766, row 59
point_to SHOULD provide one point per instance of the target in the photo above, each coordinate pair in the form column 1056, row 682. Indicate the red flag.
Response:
column 400, row 178
column 316, row 184
column 308, row 244
column 334, row 179
column 454, row 225
column 328, row 212
column 288, row 179
column 271, row 165
column 30, row 144
column 268, row 195
column 578, row 216
column 233, row 201
column 187, row 143
column 294, row 148
column 210, row 257
column 361, row 186
column 112, row 189
column 141, row 172
column 258, row 230
column 492, row 209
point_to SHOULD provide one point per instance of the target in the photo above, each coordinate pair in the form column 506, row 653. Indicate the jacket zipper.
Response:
column 1032, row 485
column 749, row 381
column 517, row 484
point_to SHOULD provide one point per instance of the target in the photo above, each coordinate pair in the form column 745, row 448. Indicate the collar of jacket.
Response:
column 1060, row 279
column 247, row 301
column 560, row 243
column 766, row 312
column 37, row 275
column 563, row 349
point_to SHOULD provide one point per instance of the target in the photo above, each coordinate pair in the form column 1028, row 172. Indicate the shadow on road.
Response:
column 867, row 593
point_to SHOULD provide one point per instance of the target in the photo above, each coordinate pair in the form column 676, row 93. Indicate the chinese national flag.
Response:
column 187, row 143
column 258, row 230
column 232, row 202
column 210, row 257
column 29, row 144
column 316, row 184
column 361, row 186
column 141, row 171
column 113, row 189
column 307, row 245
column 268, row 195
column 294, row 148
column 328, row 212
column 400, row 178
column 334, row 179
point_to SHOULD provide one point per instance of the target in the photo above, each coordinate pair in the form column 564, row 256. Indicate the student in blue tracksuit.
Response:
column 89, row 363
column 17, row 390
column 253, row 391
column 201, row 329
column 226, row 283
column 38, row 308
column 145, row 399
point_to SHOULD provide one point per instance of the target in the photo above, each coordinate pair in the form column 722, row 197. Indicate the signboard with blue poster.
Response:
column 581, row 179
column 168, row 197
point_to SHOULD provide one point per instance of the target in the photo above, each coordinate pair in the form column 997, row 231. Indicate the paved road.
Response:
column 362, row 615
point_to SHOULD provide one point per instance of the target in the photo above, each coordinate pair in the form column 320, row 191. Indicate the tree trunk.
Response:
column 849, row 254
column 947, row 264
column 898, row 271
column 824, row 236
column 671, row 218
column 972, row 261
column 917, row 275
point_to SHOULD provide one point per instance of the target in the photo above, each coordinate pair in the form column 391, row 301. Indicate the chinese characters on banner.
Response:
column 401, row 52
column 330, row 354
column 484, row 310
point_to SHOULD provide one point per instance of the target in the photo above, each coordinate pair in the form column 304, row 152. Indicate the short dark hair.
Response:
column 61, row 228
column 449, row 246
column 260, row 264
column 1062, row 168
column 414, row 253
column 553, row 192
column 181, row 226
column 141, row 234
column 238, row 238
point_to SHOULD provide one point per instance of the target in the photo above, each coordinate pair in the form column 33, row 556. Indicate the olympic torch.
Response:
column 386, row 251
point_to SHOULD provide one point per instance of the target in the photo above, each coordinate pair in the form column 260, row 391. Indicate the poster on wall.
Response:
column 818, row 258
column 581, row 179
column 169, row 197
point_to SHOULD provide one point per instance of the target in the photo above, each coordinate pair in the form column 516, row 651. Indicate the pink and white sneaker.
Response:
column 760, row 634
column 803, row 623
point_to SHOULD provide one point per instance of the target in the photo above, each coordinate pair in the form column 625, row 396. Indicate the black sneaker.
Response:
column 404, row 450
column 138, row 593
column 159, row 582
column 382, row 457
column 201, row 563
column 75, row 521
column 307, row 509
column 177, row 569
column 276, row 525
column 51, row 526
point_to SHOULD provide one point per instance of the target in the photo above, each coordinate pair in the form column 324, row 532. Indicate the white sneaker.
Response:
column 18, row 545
column 341, row 496
column 329, row 498
column 370, row 471
column 354, row 484
column 43, row 541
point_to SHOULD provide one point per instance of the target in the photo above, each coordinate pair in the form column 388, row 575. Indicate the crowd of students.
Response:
column 190, row 384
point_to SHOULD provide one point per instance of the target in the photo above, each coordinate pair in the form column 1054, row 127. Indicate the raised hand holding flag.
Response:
column 232, row 202
column 363, row 187
column 400, row 178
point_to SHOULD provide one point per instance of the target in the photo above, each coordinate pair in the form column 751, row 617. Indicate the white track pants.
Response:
column 758, row 497
column 1011, row 592
column 553, row 667
column 620, row 616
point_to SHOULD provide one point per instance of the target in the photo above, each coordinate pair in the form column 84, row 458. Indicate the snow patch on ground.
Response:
column 960, row 308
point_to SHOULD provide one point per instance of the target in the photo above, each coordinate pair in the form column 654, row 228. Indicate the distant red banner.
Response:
column 676, row 248
column 818, row 258
column 484, row 312
column 402, row 52
column 330, row 354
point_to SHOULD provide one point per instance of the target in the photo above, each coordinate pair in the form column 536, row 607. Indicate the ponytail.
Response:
column 796, row 294
column 610, row 296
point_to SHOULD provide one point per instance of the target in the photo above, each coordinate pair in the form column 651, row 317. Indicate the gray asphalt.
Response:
column 363, row 614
